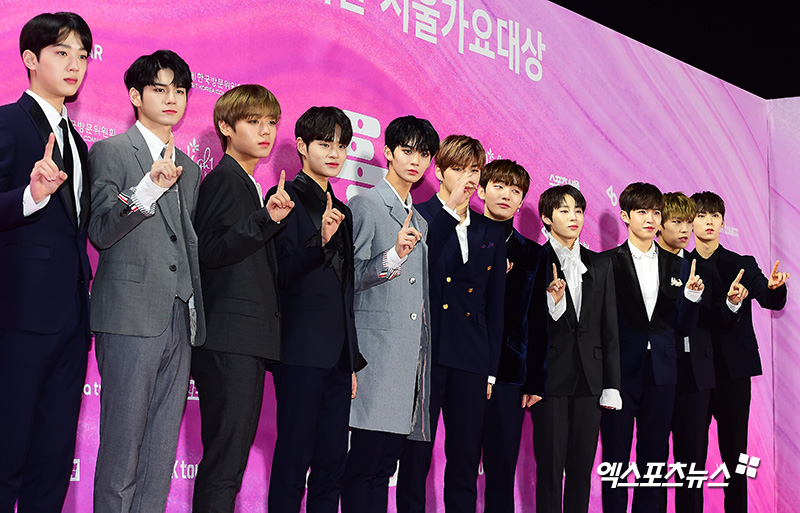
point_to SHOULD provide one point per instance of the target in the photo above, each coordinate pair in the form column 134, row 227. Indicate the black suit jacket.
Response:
column 238, row 265
column 466, row 299
column 316, row 292
column 43, row 257
column 673, row 317
column 736, row 347
column 587, row 346
column 524, row 322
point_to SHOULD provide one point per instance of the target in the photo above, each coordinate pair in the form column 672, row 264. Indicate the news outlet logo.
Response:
column 682, row 474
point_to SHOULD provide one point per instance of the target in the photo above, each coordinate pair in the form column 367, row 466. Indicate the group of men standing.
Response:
column 373, row 317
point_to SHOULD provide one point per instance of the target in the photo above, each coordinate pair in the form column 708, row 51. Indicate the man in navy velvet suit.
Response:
column 467, row 266
column 736, row 356
column 44, row 269
column 319, row 352
column 657, row 302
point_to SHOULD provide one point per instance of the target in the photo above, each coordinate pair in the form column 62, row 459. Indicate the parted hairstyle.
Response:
column 641, row 195
column 553, row 198
column 246, row 101
column 678, row 206
column 413, row 132
column 144, row 72
column 708, row 202
column 460, row 150
column 507, row 172
column 50, row 29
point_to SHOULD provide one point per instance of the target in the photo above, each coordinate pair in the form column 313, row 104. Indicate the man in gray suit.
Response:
column 147, row 306
column 392, row 319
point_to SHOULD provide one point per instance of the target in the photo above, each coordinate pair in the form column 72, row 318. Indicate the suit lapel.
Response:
column 308, row 198
column 587, row 288
column 168, row 202
column 86, row 184
column 628, row 271
column 240, row 173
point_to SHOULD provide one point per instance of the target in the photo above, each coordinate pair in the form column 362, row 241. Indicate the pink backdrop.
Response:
column 570, row 100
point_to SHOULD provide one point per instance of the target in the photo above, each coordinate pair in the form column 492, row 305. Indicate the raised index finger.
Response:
column 170, row 147
column 48, row 148
column 329, row 204
column 555, row 272
column 775, row 269
column 694, row 265
column 282, row 181
column 738, row 277
column 407, row 224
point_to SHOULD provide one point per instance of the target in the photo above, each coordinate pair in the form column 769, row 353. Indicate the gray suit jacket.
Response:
column 392, row 320
column 135, row 284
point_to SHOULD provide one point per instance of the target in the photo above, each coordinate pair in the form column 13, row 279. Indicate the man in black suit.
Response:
column 503, row 186
column 581, row 360
column 235, row 231
column 696, row 377
column 44, row 268
column 319, row 353
column 467, row 259
column 736, row 356
column 658, row 298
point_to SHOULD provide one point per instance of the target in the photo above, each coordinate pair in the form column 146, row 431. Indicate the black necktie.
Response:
column 69, row 167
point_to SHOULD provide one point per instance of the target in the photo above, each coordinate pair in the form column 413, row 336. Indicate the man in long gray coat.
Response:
column 392, row 319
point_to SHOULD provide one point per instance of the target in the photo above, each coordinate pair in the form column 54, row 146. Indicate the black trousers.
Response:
column 730, row 405
column 461, row 395
column 312, row 418
column 230, row 388
column 41, row 383
column 372, row 460
column 502, row 430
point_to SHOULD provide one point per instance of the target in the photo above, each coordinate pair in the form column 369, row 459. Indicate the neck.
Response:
column 706, row 248
column 567, row 243
column 56, row 101
column 666, row 247
column 401, row 186
column 163, row 132
column 247, row 162
column 321, row 180
column 488, row 213
column 642, row 245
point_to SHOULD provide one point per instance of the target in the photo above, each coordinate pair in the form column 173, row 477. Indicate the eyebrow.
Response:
column 65, row 45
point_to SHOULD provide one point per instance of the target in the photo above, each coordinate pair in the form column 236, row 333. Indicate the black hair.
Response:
column 319, row 124
column 49, row 29
column 144, row 72
column 413, row 132
column 641, row 195
column 708, row 202
column 551, row 200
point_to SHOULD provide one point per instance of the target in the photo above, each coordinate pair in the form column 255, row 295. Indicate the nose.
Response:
column 265, row 128
column 334, row 151
column 73, row 64
column 415, row 158
column 171, row 96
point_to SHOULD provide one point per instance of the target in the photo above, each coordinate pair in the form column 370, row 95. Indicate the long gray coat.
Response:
column 134, row 288
column 392, row 319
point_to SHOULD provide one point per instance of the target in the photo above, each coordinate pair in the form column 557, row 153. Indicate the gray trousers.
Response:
column 144, row 387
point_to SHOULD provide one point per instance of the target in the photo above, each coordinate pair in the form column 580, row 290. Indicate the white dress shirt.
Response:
column 461, row 229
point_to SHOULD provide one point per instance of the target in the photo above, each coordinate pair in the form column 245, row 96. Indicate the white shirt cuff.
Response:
column 393, row 260
column 30, row 207
column 556, row 309
column 147, row 192
column 610, row 398
column 692, row 295
column 452, row 213
column 733, row 308
column 686, row 345
column 491, row 380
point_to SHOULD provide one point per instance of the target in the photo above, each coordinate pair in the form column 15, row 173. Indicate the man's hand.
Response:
column 509, row 265
column 694, row 283
column 280, row 204
column 776, row 279
column 407, row 238
column 46, row 178
column 354, row 387
column 331, row 220
column 556, row 287
column 462, row 191
column 529, row 400
column 163, row 172
column 737, row 292
column 489, row 387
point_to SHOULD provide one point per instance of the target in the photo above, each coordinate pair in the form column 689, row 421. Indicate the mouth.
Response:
column 170, row 112
column 71, row 81
column 504, row 205
column 332, row 165
column 264, row 144
column 649, row 228
column 573, row 227
column 683, row 239
column 413, row 172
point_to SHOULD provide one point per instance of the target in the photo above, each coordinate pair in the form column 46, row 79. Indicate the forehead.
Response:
column 71, row 41
column 465, row 165
column 165, row 76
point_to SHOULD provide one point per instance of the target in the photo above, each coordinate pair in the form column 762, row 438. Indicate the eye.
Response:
column 180, row 90
column 579, row 211
column 426, row 154
column 342, row 146
column 272, row 122
column 62, row 53
column 159, row 89
column 407, row 151
column 83, row 57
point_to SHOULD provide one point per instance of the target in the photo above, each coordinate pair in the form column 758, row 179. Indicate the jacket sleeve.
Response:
column 538, row 336
column 369, row 262
column 609, row 336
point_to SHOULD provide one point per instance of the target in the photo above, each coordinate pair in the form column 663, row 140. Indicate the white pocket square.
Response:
column 675, row 282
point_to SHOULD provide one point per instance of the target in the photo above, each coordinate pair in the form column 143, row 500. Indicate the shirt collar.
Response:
column 564, row 252
column 466, row 220
column 637, row 254
column 154, row 143
column 53, row 116
column 407, row 203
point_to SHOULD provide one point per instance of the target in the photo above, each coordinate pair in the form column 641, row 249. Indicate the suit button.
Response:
column 414, row 316
column 469, row 290
column 445, row 306
column 489, row 268
column 447, row 279
column 412, row 280
column 278, row 315
column 173, row 238
column 466, row 314
column 173, row 268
